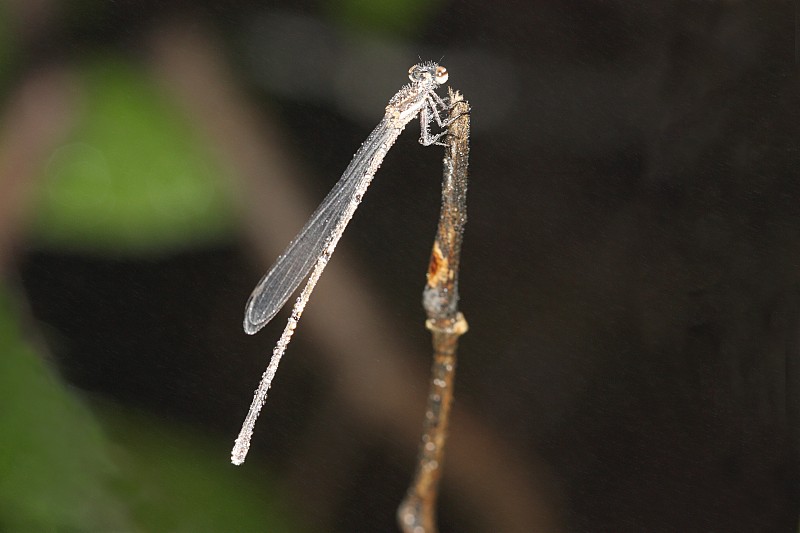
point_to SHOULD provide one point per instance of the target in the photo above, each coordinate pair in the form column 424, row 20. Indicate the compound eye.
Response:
column 441, row 75
column 413, row 73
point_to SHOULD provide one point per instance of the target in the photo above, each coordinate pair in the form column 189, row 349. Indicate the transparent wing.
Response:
column 295, row 263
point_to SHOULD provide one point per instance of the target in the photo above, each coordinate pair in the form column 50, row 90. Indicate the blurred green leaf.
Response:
column 64, row 468
column 6, row 45
column 383, row 16
column 134, row 177
column 55, row 472
column 177, row 481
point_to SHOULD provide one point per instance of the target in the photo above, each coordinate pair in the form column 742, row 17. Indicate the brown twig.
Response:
column 417, row 512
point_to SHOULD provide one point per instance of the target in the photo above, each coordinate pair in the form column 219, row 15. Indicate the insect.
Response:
column 312, row 248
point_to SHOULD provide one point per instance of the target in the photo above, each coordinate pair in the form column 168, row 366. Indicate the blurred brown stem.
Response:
column 36, row 117
column 417, row 512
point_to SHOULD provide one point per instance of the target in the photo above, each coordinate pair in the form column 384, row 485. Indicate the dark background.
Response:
column 630, row 273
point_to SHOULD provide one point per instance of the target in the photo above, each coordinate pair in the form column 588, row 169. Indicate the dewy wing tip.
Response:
column 252, row 322
column 250, row 327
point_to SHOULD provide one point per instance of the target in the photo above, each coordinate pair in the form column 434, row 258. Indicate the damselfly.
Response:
column 310, row 251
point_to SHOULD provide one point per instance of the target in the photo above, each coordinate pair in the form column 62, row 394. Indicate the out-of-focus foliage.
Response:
column 382, row 16
column 134, row 177
column 55, row 469
column 174, row 480
column 5, row 43
column 61, row 471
